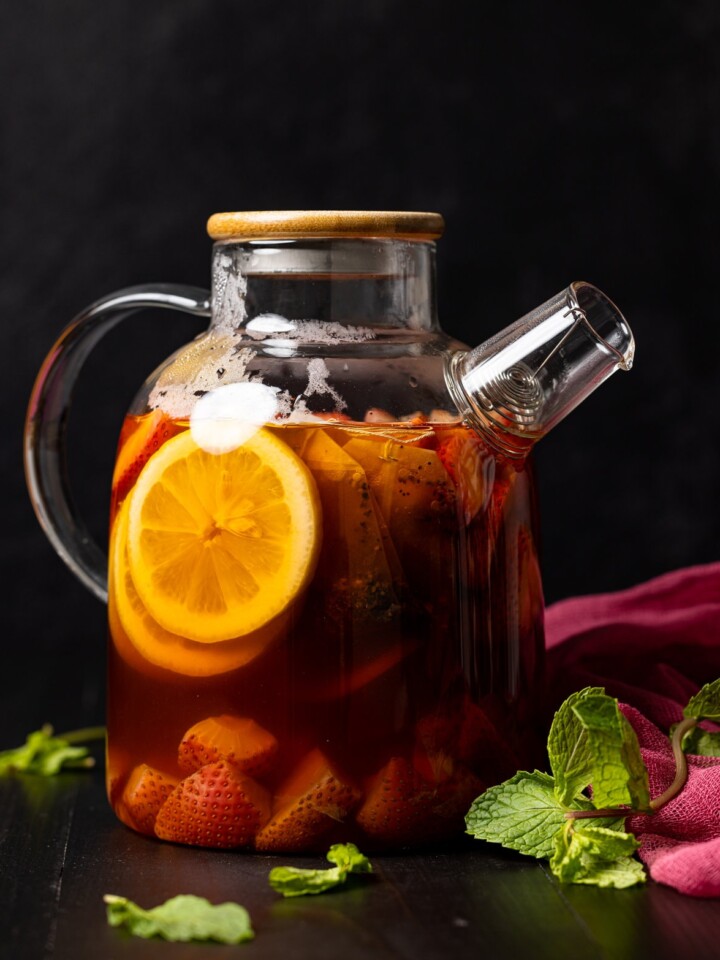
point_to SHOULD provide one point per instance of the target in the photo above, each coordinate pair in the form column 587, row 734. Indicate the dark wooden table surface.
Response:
column 61, row 849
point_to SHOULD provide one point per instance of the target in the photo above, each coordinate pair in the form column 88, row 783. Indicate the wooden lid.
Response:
column 297, row 224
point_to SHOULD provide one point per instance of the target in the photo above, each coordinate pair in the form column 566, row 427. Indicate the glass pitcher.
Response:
column 324, row 597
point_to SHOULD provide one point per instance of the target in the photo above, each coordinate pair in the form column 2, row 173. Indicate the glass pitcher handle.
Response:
column 46, row 422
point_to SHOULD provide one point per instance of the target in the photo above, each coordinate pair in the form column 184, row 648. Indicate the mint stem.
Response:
column 681, row 773
column 680, row 764
column 83, row 735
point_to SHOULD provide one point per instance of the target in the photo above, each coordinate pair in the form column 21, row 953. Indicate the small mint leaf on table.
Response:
column 569, row 751
column 46, row 755
column 618, row 774
column 182, row 918
column 299, row 881
column 705, row 705
column 523, row 814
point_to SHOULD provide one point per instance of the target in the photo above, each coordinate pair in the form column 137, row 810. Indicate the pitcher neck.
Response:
column 373, row 282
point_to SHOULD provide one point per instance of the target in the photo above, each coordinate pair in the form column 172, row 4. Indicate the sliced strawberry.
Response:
column 403, row 808
column 307, row 806
column 240, row 740
column 464, row 457
column 214, row 807
column 139, row 440
column 145, row 792
column 398, row 804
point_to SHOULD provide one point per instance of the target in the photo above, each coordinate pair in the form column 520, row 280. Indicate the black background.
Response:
column 559, row 141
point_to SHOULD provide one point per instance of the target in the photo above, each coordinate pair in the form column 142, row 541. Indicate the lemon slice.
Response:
column 144, row 644
column 221, row 544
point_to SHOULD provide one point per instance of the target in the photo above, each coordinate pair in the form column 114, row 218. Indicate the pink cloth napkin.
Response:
column 652, row 647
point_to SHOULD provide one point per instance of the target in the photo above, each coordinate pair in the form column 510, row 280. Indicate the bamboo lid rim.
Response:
column 296, row 224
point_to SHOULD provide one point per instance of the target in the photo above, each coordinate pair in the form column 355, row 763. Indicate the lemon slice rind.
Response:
column 219, row 545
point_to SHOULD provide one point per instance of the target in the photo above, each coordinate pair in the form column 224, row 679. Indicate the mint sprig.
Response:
column 182, row 918
column 575, row 818
column 590, row 745
column 46, row 755
column 299, row 882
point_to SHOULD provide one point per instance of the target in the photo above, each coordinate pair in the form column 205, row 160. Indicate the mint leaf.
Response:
column 571, row 758
column 182, row 918
column 46, row 755
column 618, row 774
column 598, row 856
column 705, row 705
column 348, row 858
column 702, row 743
column 298, row 881
column 523, row 814
column 625, row 872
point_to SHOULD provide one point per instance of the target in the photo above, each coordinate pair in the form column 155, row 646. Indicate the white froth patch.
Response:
column 229, row 289
column 197, row 370
column 269, row 323
column 307, row 331
column 225, row 418
column 318, row 375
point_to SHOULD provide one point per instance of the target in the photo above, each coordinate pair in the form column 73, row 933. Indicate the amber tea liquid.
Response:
column 393, row 689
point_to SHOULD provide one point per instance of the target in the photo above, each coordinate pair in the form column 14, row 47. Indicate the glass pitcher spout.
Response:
column 519, row 384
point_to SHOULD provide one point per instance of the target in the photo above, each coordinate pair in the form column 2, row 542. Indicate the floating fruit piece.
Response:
column 439, row 415
column 345, row 685
column 417, row 501
column 397, row 807
column 354, row 532
column 140, row 438
column 239, row 740
column 378, row 415
column 307, row 806
column 402, row 807
column 220, row 545
column 144, row 644
column 214, row 807
column 145, row 792
column 353, row 606
column 470, row 466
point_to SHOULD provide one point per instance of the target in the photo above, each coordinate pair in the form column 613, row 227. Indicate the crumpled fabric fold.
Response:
column 653, row 646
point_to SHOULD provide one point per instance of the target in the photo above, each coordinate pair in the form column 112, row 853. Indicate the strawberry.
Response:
column 402, row 808
column 308, row 805
column 214, row 807
column 239, row 740
column 464, row 458
column 397, row 808
column 145, row 792
column 136, row 447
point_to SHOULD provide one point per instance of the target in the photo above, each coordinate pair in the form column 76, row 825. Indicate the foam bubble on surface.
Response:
column 228, row 416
